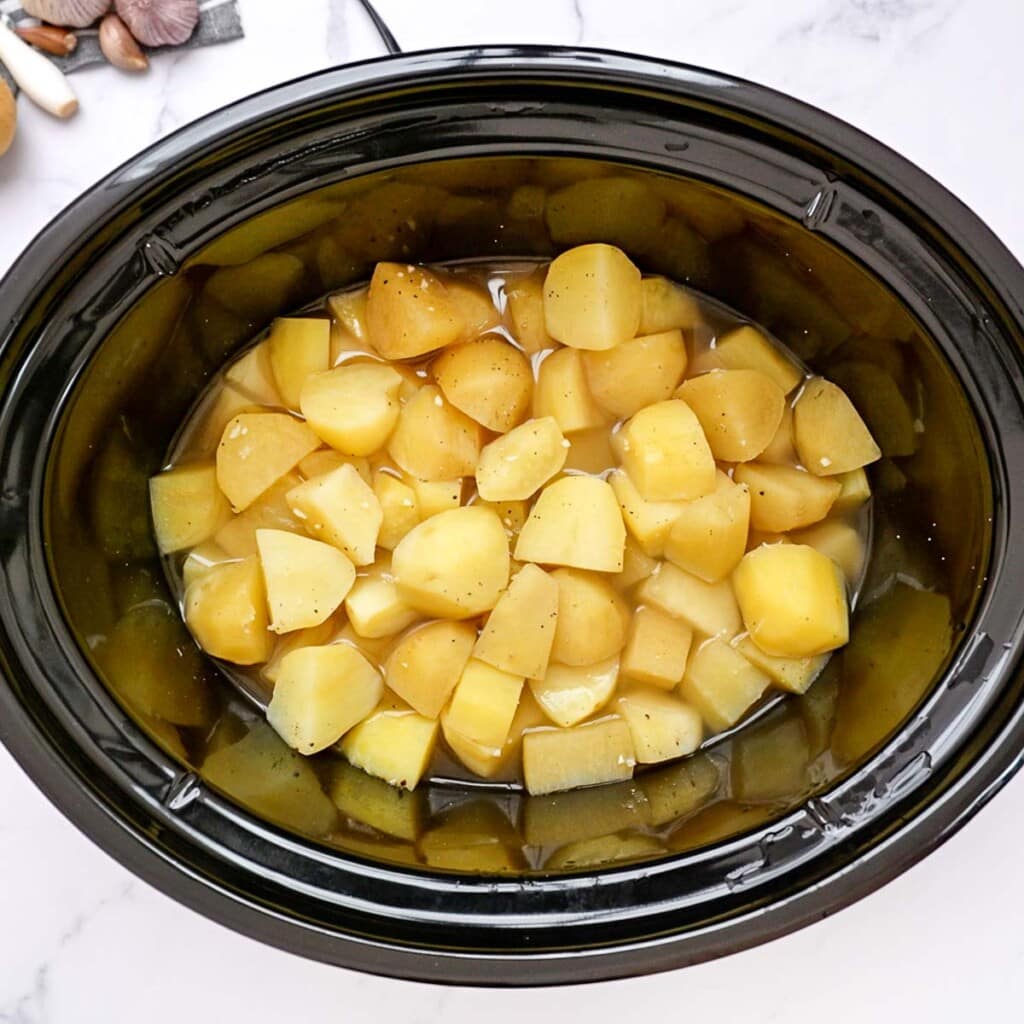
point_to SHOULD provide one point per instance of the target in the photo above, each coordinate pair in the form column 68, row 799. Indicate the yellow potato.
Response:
column 620, row 210
column 426, row 664
column 721, row 684
column 488, row 762
column 636, row 373
column 885, row 410
column 649, row 522
column 453, row 565
column 488, row 379
column 569, row 693
column 316, row 636
column 855, row 491
column 226, row 609
column 740, row 411
column 781, row 450
column 657, row 648
column 326, row 460
column 575, row 522
column 349, row 310
column 592, row 618
column 636, row 565
column 783, row 498
column 522, row 626
column 484, row 704
column 511, row 513
column 306, row 579
column 433, row 440
column 831, row 438
column 585, row 755
column 340, row 509
column 793, row 600
column 474, row 305
column 517, row 465
column 666, row 307
column 709, row 537
column 592, row 297
column 433, row 496
column 393, row 743
column 320, row 693
column 708, row 608
column 590, row 451
column 256, row 450
column 746, row 348
column 200, row 559
column 187, row 506
column 792, row 674
column 375, row 606
column 252, row 375
column 525, row 297
column 353, row 407
column 398, row 506
column 839, row 541
column 271, row 511
column 298, row 347
column 662, row 726
column 562, row 392
column 409, row 313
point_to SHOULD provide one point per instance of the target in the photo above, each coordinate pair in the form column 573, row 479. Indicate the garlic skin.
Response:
column 119, row 46
column 73, row 13
column 159, row 22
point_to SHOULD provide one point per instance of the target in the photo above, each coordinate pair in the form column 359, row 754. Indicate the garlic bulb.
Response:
column 76, row 13
column 159, row 22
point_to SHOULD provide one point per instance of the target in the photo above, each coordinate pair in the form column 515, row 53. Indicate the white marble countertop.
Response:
column 83, row 941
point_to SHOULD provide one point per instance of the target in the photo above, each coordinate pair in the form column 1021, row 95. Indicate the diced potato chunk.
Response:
column 488, row 379
column 569, row 693
column 426, row 664
column 839, row 541
column 226, row 610
column 792, row 674
column 636, row 565
column 590, row 451
column 793, row 600
column 200, row 560
column 621, row 210
column 649, row 522
column 326, row 459
column 781, row 450
column 666, row 307
column 349, row 309
column 562, row 392
column 511, row 513
column 484, row 704
column 433, row 496
column 321, row 692
column 376, row 608
column 887, row 414
column 855, row 490
column 486, row 761
column 526, row 309
column 592, row 618
column 709, row 608
column 585, row 755
column 740, row 411
column 455, row 564
column 783, row 498
column 188, row 507
column 398, row 506
column 657, row 648
column 353, row 407
column 575, row 522
column 298, row 347
column 746, row 348
column 316, row 636
column 721, row 684
column 393, row 743
column 592, row 297
column 433, row 440
column 256, row 450
column 340, row 509
column 271, row 511
column 636, row 373
column 517, row 465
column 831, row 437
column 252, row 375
column 522, row 627
column 306, row 579
column 769, row 761
column 665, row 453
column 709, row 537
column 409, row 313
column 359, row 795
column 662, row 726
column 475, row 306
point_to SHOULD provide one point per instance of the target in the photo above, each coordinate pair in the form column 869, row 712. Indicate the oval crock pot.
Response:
column 138, row 226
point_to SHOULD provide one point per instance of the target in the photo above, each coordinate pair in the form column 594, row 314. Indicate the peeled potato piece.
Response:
column 590, row 451
column 783, row 498
column 433, row 496
column 657, row 648
column 792, row 674
column 636, row 565
column 488, row 379
column 739, row 410
column 562, row 392
column 839, row 541
column 855, row 490
column 721, row 684
column 433, row 440
column 585, row 755
column 592, row 618
column 271, row 511
column 398, row 506
column 569, row 693
column 474, row 305
column 484, row 704
column 526, row 310
column 746, row 348
column 298, row 347
column 709, row 608
column 649, row 522
column 636, row 373
column 426, row 664
column 393, row 743
column 375, row 606
column 226, row 610
column 252, row 376
column 781, row 449
column 662, row 726
column 666, row 307
column 517, row 465
column 326, row 459
column 187, row 506
column 831, row 437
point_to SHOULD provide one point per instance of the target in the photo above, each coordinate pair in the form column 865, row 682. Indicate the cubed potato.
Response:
column 517, row 465
column 321, row 692
column 426, row 664
column 708, row 608
column 327, row 459
column 657, row 648
column 666, row 454
column 353, row 407
column 792, row 674
column 393, row 743
column 636, row 373
column 200, row 560
column 187, row 505
column 433, row 440
column 488, row 379
column 214, row 413
column 349, row 310
column 398, row 506
column 709, row 536
column 575, row 522
column 620, row 210
column 474, row 304
column 636, row 565
column 739, row 411
column 783, row 498
column 409, row 313
column 522, row 627
column 590, row 451
column 256, row 450
column 525, row 297
column 879, row 400
column 271, row 511
column 648, row 522
column 511, row 513
column 769, row 760
column 665, row 306
column 315, row 636
column 569, row 693
column 484, row 704
column 746, row 348
column 855, row 491
column 793, row 600
column 298, row 347
column 340, row 509
column 306, row 579
column 455, row 564
column 366, row 799
column 252, row 375
column 676, row 791
column 562, row 392
column 831, row 438
column 592, row 297
column 781, row 450
column 663, row 727
column 585, row 755
column 374, row 649
column 433, row 496
column 226, row 609
column 592, row 618
column 721, row 684
column 611, row 849
column 376, row 608
column 839, row 541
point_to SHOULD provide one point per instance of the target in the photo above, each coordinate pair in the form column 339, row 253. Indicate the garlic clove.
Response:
column 119, row 45
column 76, row 13
column 8, row 117
column 159, row 22
column 38, row 76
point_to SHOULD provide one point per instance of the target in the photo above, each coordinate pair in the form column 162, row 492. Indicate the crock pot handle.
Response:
column 386, row 35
